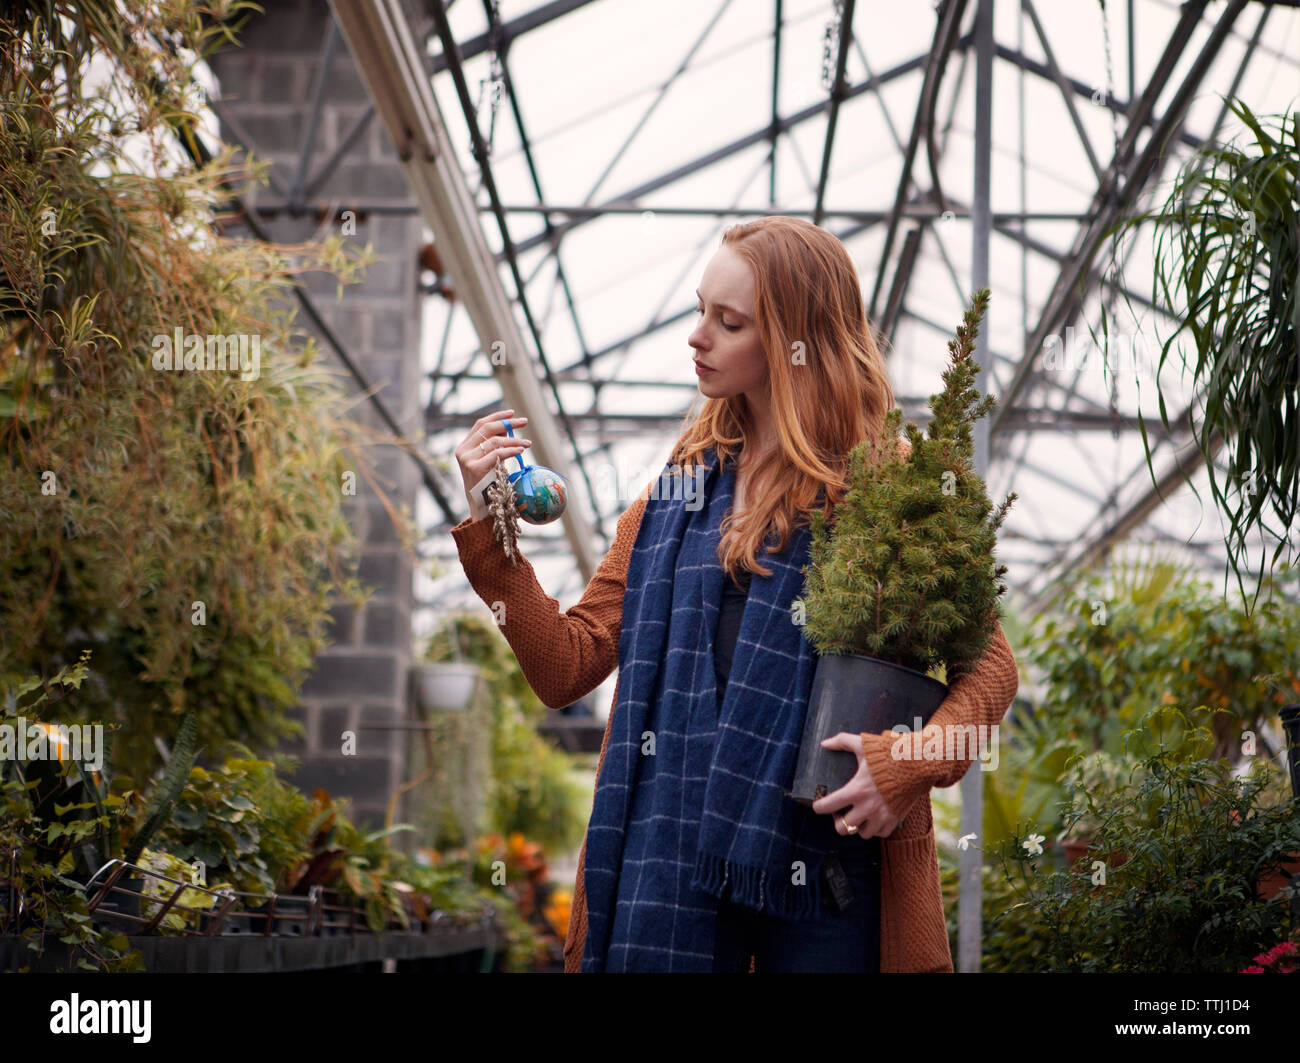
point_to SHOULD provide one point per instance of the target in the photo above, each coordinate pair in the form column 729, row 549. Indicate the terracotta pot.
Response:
column 1274, row 880
column 1076, row 849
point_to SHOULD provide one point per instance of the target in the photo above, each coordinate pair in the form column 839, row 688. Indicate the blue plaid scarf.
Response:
column 691, row 804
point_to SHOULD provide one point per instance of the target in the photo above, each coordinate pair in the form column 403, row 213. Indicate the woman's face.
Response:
column 726, row 339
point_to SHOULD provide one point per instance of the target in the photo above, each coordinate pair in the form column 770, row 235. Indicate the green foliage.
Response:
column 1226, row 250
column 908, row 575
column 179, row 871
column 531, row 790
column 169, row 786
column 253, row 830
column 49, row 811
column 1034, row 754
column 1182, row 843
column 248, row 826
column 1150, row 633
column 258, row 833
column 1147, row 644
column 129, row 493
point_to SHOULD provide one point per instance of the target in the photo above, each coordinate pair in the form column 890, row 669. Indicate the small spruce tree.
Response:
column 904, row 571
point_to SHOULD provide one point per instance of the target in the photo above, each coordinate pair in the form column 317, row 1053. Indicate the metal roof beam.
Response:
column 945, row 39
column 1127, row 176
column 833, row 107
column 395, row 73
column 1079, row 88
column 726, row 151
column 1123, row 524
column 516, row 27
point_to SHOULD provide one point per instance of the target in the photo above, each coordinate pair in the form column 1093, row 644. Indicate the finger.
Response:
column 850, row 743
column 838, row 799
column 853, row 818
column 487, row 427
column 879, row 825
column 495, row 416
column 487, row 451
column 495, row 426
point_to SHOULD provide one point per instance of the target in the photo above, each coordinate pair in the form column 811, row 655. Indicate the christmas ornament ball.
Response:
column 541, row 494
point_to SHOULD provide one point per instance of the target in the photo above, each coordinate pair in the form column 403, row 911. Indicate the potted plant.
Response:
column 907, row 582
column 1196, row 835
column 446, row 686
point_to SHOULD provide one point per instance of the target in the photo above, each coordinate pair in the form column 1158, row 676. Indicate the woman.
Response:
column 695, row 859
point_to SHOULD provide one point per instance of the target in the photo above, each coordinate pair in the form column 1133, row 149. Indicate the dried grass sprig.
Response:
column 504, row 507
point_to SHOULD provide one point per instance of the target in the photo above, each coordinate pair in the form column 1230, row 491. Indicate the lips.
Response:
column 700, row 367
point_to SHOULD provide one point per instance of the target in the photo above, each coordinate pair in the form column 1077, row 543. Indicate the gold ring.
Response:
column 850, row 830
column 481, row 446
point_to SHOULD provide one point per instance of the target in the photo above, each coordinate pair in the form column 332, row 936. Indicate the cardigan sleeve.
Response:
column 563, row 655
column 978, row 699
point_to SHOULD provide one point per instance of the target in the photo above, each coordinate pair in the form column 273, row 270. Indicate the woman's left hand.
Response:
column 862, row 804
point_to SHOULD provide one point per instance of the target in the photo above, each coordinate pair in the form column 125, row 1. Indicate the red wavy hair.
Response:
column 805, row 291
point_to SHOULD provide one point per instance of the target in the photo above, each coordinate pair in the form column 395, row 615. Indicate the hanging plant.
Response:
column 1226, row 247
column 182, row 520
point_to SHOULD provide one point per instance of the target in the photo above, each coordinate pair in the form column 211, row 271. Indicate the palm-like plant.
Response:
column 1226, row 247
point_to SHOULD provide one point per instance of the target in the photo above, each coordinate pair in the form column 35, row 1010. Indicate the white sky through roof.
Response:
column 591, row 91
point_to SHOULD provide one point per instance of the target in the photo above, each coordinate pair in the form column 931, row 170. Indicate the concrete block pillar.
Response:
column 325, row 162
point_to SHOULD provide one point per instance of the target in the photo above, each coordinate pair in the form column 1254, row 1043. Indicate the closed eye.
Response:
column 729, row 328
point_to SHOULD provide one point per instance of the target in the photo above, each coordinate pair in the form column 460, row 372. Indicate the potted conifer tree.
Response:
column 904, row 581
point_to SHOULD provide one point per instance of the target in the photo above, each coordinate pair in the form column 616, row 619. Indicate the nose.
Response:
column 697, row 339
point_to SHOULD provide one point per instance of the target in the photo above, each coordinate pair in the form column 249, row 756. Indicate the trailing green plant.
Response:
column 531, row 789
column 1226, row 248
column 1180, row 847
column 186, row 526
column 908, row 574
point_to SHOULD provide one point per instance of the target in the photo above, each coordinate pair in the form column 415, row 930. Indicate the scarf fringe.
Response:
column 757, row 889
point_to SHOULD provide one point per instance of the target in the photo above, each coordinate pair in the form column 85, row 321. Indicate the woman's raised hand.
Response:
column 478, row 452
column 859, row 800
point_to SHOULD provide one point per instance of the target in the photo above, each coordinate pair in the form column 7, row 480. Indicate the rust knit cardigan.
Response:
column 564, row 656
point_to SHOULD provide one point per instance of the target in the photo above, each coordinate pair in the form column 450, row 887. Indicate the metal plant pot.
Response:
column 854, row 693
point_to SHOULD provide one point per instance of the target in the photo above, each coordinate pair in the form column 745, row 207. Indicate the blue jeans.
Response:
column 835, row 942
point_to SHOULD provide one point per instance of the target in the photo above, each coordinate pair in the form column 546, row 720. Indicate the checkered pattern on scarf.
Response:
column 691, row 804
